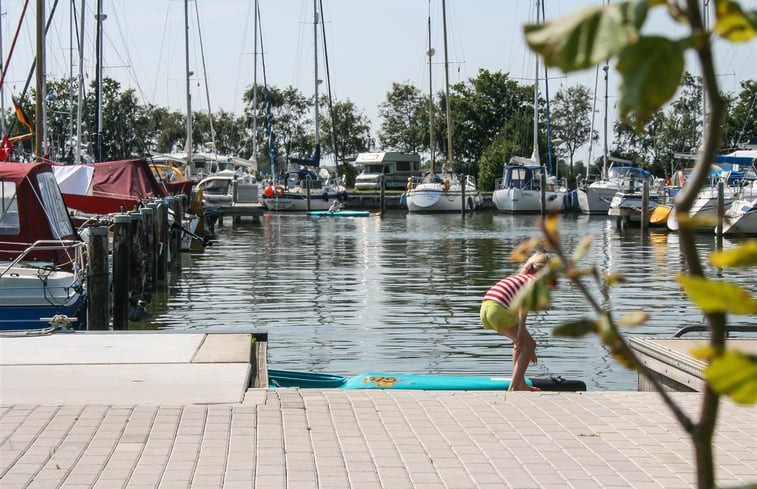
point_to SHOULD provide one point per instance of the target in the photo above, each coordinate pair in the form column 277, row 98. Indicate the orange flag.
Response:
column 22, row 117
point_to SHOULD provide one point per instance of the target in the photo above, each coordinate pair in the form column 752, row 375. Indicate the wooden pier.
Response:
column 672, row 364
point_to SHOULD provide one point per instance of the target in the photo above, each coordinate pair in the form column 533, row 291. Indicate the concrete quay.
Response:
column 101, row 411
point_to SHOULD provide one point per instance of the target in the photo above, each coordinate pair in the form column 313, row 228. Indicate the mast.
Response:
column 254, row 150
column 430, row 53
column 535, row 152
column 99, row 94
column 605, row 68
column 446, row 87
column 39, row 108
column 315, row 97
column 2, row 93
column 188, row 142
column 80, row 95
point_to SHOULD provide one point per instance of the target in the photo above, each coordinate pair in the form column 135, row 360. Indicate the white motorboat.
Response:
column 443, row 193
column 520, row 190
column 740, row 219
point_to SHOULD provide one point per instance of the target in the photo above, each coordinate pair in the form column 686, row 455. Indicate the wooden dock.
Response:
column 672, row 364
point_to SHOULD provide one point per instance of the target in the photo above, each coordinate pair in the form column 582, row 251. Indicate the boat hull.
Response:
column 523, row 201
column 29, row 294
column 439, row 200
column 595, row 200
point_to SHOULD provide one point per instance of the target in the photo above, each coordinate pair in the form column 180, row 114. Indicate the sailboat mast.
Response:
column 39, row 107
column 99, row 94
column 535, row 152
column 188, row 142
column 315, row 54
column 254, row 152
column 80, row 95
column 446, row 87
column 605, row 68
column 430, row 53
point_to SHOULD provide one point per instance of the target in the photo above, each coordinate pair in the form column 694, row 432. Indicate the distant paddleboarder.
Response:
column 496, row 314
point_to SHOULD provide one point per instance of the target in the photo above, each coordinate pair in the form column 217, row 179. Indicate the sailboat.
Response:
column 526, row 186
column 445, row 192
column 301, row 188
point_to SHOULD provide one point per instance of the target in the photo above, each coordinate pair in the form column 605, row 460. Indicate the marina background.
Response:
column 402, row 293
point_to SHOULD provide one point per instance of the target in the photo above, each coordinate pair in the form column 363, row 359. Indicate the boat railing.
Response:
column 74, row 247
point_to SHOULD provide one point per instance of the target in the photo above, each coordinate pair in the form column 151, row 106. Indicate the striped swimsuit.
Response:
column 505, row 290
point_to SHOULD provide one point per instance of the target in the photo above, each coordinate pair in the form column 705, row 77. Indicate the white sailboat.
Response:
column 301, row 188
column 525, row 181
column 447, row 191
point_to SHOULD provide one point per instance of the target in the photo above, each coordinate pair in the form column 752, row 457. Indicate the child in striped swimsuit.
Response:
column 497, row 315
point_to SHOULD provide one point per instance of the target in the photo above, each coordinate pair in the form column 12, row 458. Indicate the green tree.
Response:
column 741, row 116
column 571, row 123
column 352, row 134
column 291, row 121
column 652, row 67
column 482, row 110
column 404, row 115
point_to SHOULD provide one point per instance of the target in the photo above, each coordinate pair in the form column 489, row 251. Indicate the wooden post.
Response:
column 136, row 258
column 462, row 192
column 97, row 279
column 121, row 242
column 721, row 210
column 148, row 216
column 543, row 194
column 645, row 206
column 161, row 222
column 307, row 193
column 382, row 194
column 173, row 205
column 182, row 202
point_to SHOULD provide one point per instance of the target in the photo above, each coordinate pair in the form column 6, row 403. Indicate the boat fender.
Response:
column 409, row 185
column 325, row 196
column 269, row 191
column 471, row 205
column 445, row 184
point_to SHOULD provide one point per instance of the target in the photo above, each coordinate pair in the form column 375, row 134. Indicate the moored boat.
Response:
column 42, row 267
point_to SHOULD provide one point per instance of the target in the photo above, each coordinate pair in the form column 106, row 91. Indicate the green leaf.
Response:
column 652, row 70
column 742, row 256
column 633, row 318
column 576, row 329
column 582, row 248
column 734, row 374
column 535, row 295
column 713, row 296
column 734, row 24
column 587, row 37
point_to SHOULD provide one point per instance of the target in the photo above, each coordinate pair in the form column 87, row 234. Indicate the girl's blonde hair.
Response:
column 536, row 262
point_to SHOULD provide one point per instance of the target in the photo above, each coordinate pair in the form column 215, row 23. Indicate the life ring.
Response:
column 268, row 192
column 280, row 190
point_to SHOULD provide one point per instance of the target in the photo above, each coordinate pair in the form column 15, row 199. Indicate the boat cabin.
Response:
column 396, row 168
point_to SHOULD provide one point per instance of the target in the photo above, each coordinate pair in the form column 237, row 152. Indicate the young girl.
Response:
column 497, row 315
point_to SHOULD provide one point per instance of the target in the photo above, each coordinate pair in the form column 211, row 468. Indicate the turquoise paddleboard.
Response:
column 342, row 213
column 284, row 378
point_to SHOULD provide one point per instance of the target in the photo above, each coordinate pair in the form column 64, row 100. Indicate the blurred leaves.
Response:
column 732, row 23
column 744, row 255
column 713, row 296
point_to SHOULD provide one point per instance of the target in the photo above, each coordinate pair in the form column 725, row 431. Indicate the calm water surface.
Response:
column 402, row 293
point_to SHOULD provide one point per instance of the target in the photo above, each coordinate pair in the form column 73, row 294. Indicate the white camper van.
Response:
column 396, row 168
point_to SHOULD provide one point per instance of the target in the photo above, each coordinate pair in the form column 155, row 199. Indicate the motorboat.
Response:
column 228, row 187
column 519, row 191
column 740, row 219
column 301, row 190
column 443, row 193
column 595, row 197
column 42, row 266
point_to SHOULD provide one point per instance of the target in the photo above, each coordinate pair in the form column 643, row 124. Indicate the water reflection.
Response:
column 402, row 293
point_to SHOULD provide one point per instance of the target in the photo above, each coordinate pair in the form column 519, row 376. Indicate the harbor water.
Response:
column 402, row 293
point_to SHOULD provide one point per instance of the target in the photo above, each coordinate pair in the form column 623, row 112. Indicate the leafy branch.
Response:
column 651, row 68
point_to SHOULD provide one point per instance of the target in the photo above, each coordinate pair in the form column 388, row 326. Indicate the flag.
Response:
column 22, row 117
column 6, row 148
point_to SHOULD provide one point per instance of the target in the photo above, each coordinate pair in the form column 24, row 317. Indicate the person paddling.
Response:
column 496, row 314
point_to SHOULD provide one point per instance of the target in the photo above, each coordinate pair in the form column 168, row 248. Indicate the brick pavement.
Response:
column 366, row 439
